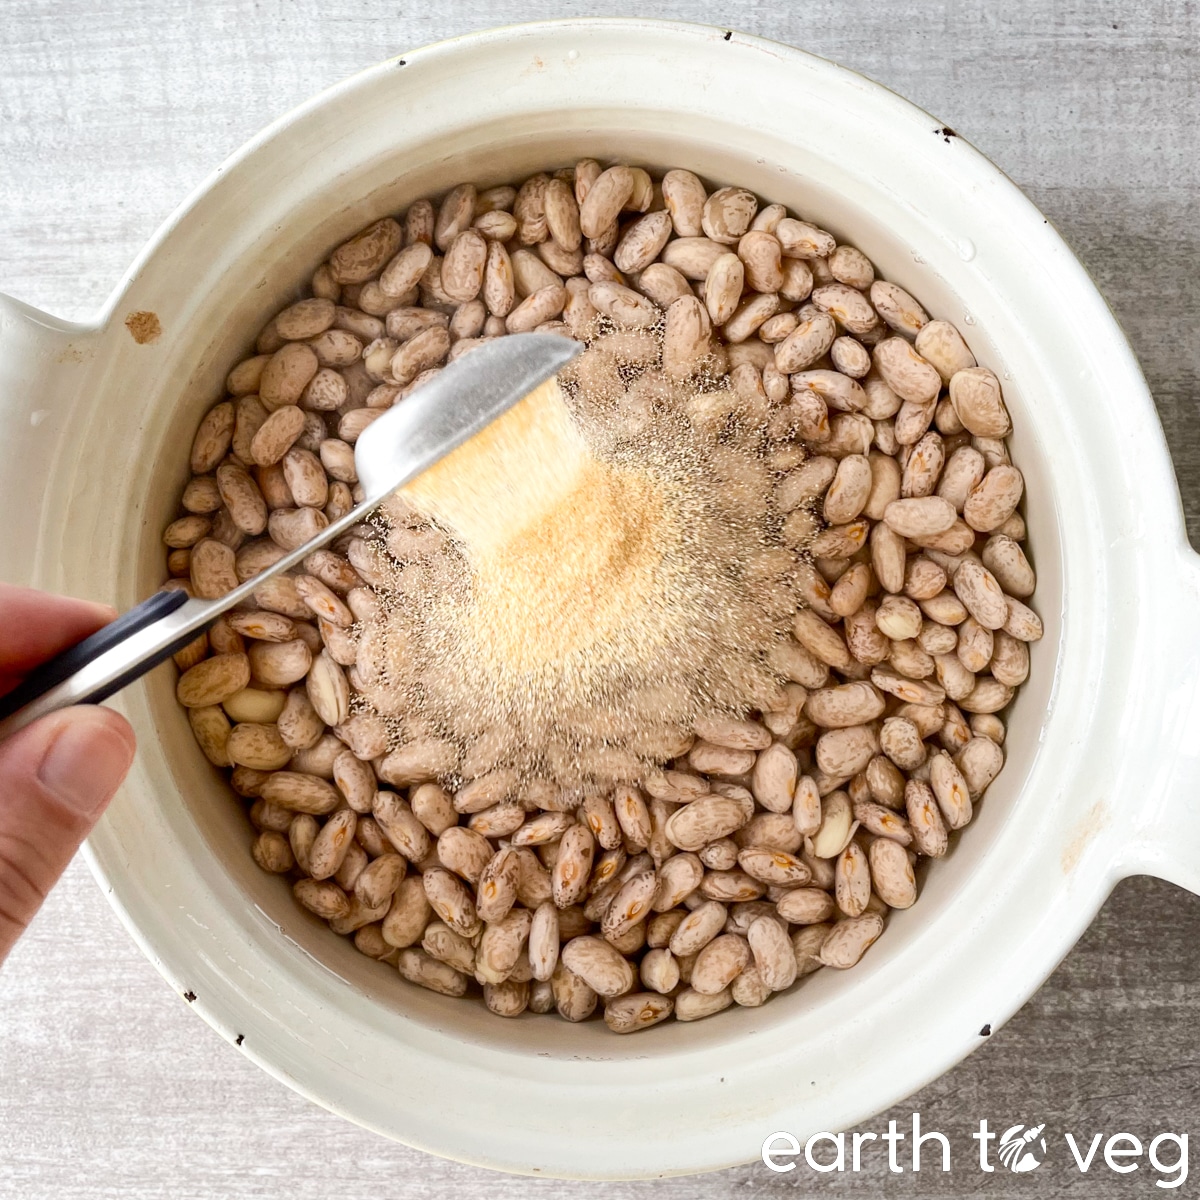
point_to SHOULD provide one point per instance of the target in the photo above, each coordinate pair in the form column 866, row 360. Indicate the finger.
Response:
column 56, row 777
column 35, row 626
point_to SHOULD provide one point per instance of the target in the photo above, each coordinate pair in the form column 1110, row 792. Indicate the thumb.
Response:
column 56, row 777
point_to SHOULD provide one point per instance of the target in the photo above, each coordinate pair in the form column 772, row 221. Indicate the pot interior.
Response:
column 250, row 247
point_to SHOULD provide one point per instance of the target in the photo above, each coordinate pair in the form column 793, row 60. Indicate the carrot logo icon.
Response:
column 1019, row 1148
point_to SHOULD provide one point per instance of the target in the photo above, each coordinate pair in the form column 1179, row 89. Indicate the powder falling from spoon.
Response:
column 569, row 591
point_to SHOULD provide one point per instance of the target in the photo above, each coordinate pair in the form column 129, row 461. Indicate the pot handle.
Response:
column 1166, row 842
column 44, row 363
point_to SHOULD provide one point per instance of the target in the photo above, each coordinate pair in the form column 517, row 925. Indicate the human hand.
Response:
column 58, row 774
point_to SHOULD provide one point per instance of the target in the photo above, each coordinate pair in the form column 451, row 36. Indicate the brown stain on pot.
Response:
column 1094, row 820
column 144, row 326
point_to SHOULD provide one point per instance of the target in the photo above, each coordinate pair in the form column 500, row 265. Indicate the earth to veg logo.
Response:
column 1019, row 1149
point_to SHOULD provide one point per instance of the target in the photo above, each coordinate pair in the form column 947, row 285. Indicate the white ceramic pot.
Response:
column 1103, row 742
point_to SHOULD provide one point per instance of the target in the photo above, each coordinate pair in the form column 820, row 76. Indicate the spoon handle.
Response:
column 150, row 632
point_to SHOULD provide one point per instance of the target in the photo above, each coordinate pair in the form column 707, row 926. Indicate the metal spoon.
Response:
column 451, row 408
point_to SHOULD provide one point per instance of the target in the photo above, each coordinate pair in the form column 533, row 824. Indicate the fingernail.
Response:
column 87, row 761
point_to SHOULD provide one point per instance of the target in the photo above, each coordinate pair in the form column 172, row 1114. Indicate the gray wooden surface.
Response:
column 109, row 115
